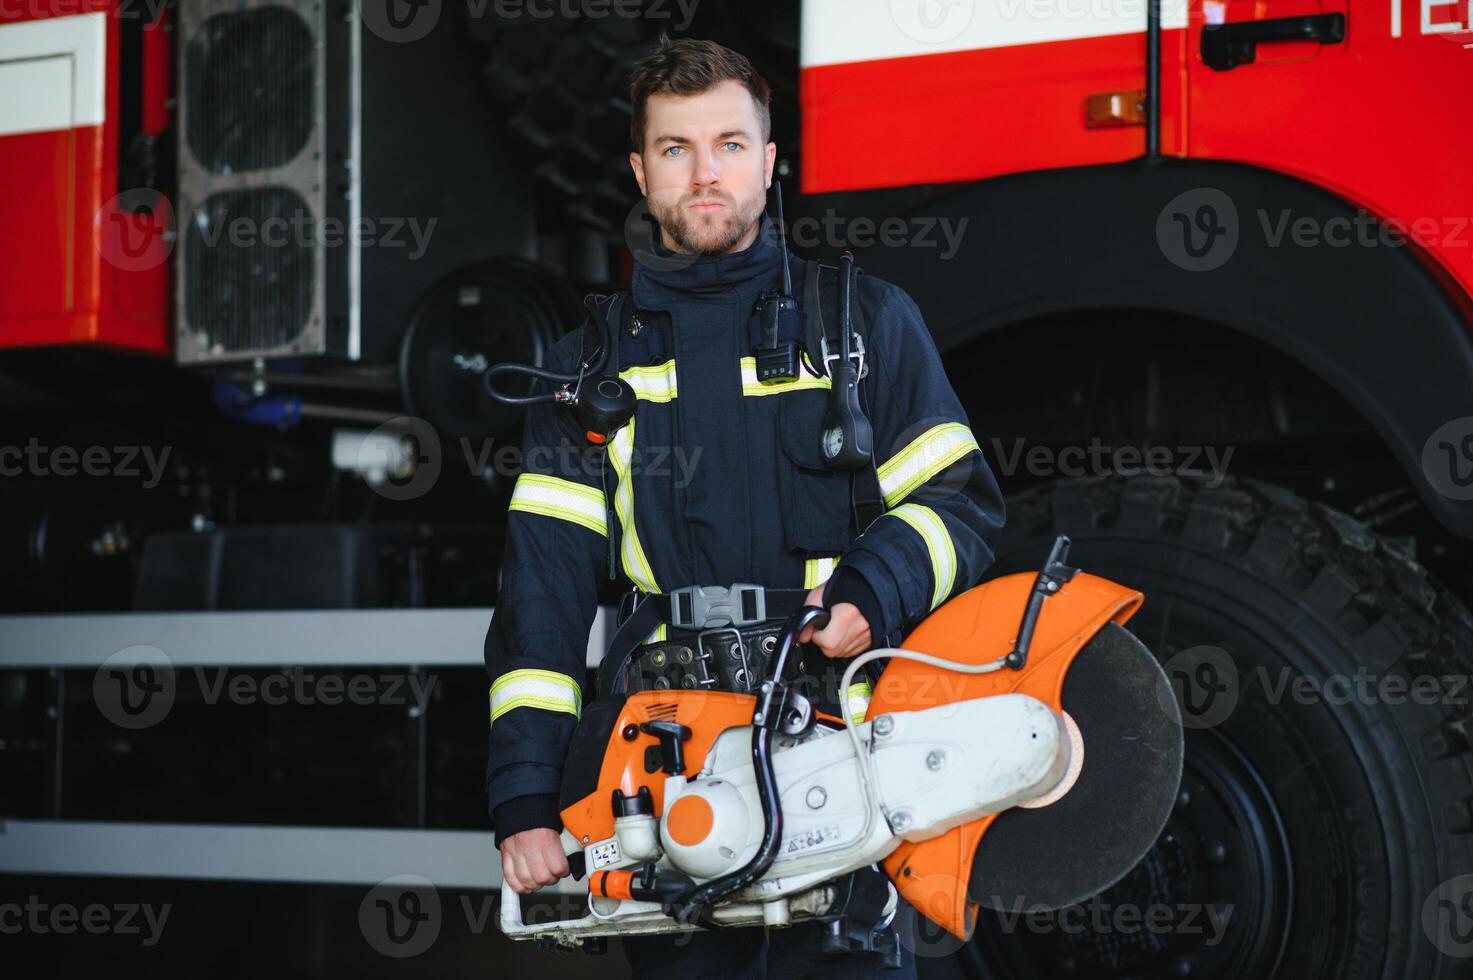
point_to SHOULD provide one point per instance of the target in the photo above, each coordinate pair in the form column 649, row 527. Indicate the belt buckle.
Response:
column 702, row 607
column 741, row 646
column 856, row 354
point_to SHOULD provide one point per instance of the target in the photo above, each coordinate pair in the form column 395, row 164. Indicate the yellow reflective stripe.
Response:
column 636, row 565
column 857, row 697
column 926, row 455
column 659, row 634
column 804, row 381
column 551, row 496
column 652, row 382
column 531, row 688
column 932, row 529
column 816, row 571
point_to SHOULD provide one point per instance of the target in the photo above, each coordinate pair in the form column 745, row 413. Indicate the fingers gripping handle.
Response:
column 511, row 909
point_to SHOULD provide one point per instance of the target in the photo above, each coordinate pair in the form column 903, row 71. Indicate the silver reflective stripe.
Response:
column 532, row 688
column 925, row 456
column 817, row 571
column 751, row 387
column 928, row 524
column 636, row 565
column 551, row 496
column 653, row 382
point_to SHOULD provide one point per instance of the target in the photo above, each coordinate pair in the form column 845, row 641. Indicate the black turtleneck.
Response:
column 738, row 277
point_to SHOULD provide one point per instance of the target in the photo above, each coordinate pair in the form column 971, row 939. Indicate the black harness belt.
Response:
column 724, row 614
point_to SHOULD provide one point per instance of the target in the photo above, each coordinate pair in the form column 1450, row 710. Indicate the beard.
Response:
column 708, row 232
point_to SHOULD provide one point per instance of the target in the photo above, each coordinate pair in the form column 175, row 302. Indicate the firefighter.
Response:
column 718, row 479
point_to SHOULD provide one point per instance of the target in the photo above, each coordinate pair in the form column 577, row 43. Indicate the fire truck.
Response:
column 1201, row 271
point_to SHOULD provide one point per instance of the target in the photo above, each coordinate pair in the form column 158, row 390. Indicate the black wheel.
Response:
column 1323, row 824
column 502, row 310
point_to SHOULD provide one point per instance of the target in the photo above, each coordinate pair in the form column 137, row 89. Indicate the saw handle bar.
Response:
column 1051, row 577
column 765, row 718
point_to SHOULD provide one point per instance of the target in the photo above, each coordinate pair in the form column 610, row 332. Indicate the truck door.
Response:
column 931, row 91
column 1367, row 98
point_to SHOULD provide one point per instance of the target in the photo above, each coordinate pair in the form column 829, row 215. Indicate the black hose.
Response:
column 772, row 810
column 590, row 303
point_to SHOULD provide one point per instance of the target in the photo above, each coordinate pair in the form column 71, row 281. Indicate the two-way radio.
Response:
column 783, row 322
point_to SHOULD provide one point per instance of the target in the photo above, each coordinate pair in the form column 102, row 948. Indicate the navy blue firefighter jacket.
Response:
column 719, row 479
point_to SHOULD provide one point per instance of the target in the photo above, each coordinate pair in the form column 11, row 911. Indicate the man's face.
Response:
column 704, row 169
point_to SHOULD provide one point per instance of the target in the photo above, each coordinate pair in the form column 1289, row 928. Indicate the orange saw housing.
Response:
column 977, row 626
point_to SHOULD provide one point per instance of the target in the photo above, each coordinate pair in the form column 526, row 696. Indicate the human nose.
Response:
column 706, row 172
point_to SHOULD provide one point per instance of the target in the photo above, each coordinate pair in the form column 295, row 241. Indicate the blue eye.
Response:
column 737, row 145
column 670, row 148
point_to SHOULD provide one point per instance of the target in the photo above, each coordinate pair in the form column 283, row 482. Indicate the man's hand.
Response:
column 532, row 859
column 846, row 635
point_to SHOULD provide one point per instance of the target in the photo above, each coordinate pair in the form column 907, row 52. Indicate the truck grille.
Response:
column 248, row 79
column 249, row 269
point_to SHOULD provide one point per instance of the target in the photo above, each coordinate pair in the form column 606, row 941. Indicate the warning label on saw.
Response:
column 810, row 839
column 604, row 853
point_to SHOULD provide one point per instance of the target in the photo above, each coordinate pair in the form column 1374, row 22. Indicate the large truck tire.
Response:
column 1323, row 828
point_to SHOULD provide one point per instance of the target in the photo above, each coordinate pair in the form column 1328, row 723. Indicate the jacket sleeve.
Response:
column 536, row 646
column 943, row 509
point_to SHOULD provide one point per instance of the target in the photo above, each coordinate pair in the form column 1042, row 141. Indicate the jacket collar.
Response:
column 663, row 279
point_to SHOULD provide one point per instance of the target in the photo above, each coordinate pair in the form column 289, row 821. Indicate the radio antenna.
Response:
column 782, row 239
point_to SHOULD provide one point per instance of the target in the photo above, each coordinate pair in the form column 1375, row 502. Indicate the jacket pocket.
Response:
column 816, row 499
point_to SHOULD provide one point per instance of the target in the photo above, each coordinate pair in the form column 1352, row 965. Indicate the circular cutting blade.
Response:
column 1073, row 849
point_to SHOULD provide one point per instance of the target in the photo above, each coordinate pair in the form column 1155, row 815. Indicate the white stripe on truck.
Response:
column 842, row 31
column 53, row 74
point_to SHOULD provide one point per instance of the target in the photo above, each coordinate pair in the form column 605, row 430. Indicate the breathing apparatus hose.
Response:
column 544, row 374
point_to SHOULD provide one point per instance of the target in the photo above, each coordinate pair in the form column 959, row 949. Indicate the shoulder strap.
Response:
column 821, row 304
column 813, row 311
column 620, row 311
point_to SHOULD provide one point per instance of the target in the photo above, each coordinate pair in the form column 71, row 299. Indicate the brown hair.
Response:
column 689, row 66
